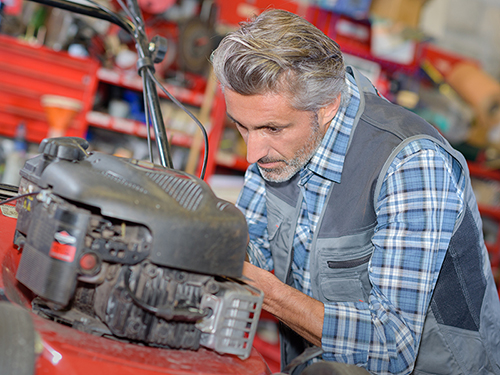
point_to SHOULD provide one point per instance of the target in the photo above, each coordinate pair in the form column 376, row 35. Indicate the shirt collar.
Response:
column 328, row 160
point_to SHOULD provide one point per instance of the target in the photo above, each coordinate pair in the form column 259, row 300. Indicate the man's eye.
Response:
column 273, row 130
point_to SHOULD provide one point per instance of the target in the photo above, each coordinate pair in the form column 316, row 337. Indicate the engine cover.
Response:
column 191, row 228
column 131, row 250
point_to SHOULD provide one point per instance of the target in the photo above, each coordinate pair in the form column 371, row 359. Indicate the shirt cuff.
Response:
column 347, row 330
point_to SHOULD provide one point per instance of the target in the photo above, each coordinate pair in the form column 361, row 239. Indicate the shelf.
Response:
column 138, row 129
column 327, row 21
column 131, row 127
column 133, row 81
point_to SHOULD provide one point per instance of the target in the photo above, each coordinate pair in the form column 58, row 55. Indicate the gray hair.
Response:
column 280, row 52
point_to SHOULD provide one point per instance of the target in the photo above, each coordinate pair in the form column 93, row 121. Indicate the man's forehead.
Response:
column 270, row 104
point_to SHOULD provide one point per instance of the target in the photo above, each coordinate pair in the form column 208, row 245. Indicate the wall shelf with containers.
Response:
column 119, row 120
column 23, row 84
column 181, row 130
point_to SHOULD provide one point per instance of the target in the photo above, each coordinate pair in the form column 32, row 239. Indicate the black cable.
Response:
column 144, row 93
column 100, row 12
column 200, row 125
column 140, row 38
column 114, row 16
column 135, row 29
column 19, row 197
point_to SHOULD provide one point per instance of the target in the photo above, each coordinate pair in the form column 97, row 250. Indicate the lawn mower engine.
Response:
column 133, row 251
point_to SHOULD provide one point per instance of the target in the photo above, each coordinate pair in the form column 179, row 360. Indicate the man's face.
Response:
column 279, row 138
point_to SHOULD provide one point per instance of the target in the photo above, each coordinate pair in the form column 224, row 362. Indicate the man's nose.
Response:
column 256, row 147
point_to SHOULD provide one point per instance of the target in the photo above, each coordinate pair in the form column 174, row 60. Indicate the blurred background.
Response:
column 63, row 74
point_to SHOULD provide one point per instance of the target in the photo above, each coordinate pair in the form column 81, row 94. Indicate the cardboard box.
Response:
column 482, row 92
column 406, row 12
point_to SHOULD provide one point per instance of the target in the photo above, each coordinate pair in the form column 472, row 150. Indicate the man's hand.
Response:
column 297, row 310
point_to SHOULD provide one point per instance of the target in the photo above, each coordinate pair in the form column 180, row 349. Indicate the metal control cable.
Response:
column 198, row 123
column 8, row 200
column 136, row 20
column 135, row 27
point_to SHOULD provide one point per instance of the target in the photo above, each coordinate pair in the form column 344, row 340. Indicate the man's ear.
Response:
column 327, row 113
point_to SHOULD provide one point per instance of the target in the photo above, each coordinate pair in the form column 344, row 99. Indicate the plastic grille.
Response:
column 233, row 324
column 239, row 324
column 117, row 178
column 184, row 191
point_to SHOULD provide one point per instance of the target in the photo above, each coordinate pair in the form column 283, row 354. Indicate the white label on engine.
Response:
column 9, row 211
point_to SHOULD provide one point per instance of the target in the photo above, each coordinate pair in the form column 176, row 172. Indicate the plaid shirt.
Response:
column 420, row 200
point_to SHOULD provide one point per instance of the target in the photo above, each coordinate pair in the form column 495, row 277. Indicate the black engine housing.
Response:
column 132, row 250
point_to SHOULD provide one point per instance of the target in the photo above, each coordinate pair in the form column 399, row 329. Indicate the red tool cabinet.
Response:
column 27, row 72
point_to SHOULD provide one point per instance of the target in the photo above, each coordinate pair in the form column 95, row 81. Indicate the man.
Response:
column 364, row 212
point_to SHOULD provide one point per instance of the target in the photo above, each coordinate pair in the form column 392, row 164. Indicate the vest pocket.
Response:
column 342, row 290
column 344, row 280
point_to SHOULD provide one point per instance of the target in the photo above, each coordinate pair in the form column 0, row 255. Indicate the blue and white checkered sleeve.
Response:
column 420, row 200
column 252, row 202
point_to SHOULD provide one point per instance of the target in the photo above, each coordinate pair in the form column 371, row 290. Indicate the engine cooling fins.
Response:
column 175, row 313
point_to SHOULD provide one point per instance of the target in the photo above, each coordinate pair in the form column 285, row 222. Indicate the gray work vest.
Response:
column 461, row 332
